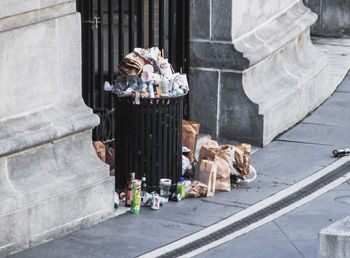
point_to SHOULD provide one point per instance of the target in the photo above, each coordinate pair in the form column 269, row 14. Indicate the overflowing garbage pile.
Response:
column 145, row 73
column 217, row 168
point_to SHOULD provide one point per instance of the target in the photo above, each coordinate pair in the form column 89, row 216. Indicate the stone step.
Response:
column 52, row 190
column 334, row 240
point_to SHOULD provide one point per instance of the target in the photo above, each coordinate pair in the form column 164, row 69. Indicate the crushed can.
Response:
column 136, row 196
column 341, row 152
column 146, row 198
column 176, row 197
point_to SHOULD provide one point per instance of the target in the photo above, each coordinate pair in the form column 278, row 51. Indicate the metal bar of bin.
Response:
column 154, row 140
column 175, row 143
column 151, row 23
column 179, row 146
column 140, row 16
column 100, row 56
column 142, row 137
column 132, row 127
column 131, row 25
column 161, row 24
column 170, row 139
column 121, row 30
column 148, row 149
column 165, row 136
column 161, row 124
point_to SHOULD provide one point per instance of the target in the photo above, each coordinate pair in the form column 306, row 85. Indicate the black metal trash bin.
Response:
column 148, row 140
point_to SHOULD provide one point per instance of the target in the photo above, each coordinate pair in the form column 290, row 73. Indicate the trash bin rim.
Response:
column 128, row 96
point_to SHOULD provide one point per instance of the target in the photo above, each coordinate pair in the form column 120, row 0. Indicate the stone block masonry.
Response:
column 254, row 71
column 51, row 181
column 333, row 17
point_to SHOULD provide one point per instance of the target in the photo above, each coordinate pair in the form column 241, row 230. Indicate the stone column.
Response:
column 51, row 181
column 254, row 71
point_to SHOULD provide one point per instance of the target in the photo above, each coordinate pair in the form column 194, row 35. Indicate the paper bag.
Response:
column 242, row 160
column 222, row 156
column 207, row 175
column 196, row 189
column 190, row 131
column 100, row 149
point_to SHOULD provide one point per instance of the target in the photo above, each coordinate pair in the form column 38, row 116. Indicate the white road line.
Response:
column 270, row 217
column 254, row 208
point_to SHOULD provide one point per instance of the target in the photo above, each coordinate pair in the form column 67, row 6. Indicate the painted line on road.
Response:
column 254, row 209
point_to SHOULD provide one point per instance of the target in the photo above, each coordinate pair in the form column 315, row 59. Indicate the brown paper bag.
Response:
column 100, row 150
column 207, row 175
column 196, row 189
column 223, row 159
column 190, row 131
column 242, row 160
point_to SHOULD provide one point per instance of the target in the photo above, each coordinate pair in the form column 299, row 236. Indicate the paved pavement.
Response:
column 298, row 153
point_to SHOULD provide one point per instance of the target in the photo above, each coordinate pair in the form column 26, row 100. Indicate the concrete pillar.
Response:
column 334, row 240
column 254, row 71
column 51, row 181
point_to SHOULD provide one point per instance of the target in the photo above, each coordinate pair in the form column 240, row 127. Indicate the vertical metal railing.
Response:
column 111, row 29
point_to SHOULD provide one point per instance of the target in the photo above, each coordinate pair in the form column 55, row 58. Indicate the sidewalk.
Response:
column 298, row 153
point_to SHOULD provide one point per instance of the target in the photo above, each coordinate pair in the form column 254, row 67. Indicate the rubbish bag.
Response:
column 242, row 160
column 196, row 189
column 190, row 131
column 222, row 156
column 207, row 175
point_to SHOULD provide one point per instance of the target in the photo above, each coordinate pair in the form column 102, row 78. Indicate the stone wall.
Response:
column 51, row 181
column 333, row 17
column 254, row 71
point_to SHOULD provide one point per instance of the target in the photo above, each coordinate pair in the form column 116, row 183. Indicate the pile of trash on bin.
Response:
column 145, row 73
column 217, row 168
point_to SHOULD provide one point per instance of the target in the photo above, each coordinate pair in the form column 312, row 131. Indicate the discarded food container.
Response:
column 136, row 196
column 164, row 188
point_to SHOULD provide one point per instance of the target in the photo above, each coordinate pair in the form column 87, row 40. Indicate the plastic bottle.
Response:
column 164, row 87
column 151, row 90
column 181, row 187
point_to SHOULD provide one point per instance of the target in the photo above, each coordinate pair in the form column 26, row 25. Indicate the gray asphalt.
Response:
column 298, row 153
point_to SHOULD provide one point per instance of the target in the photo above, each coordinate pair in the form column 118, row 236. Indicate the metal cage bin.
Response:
column 148, row 140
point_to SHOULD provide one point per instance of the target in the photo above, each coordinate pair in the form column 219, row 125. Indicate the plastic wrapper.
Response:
column 185, row 164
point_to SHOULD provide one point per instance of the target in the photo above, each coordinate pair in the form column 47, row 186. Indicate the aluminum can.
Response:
column 155, row 201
